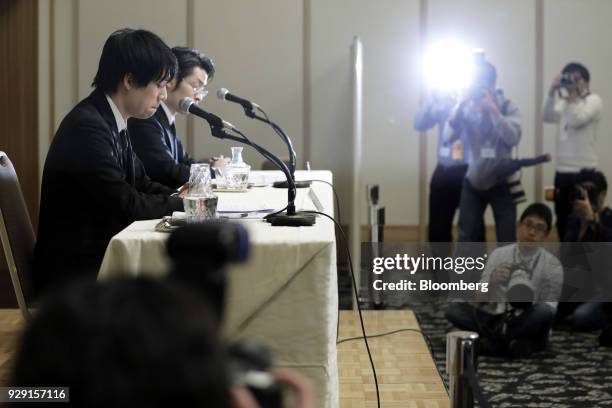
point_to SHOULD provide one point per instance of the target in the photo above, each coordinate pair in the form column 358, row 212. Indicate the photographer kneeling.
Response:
column 590, row 221
column 525, row 281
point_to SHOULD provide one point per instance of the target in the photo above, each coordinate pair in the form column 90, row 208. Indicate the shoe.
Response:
column 522, row 348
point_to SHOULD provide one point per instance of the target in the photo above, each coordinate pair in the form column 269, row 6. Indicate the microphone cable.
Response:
column 356, row 292
column 335, row 195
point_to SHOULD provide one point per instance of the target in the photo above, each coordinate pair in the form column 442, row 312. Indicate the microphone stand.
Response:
column 292, row 156
column 290, row 218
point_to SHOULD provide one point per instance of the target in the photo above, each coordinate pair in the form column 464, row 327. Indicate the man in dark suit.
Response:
column 154, row 139
column 93, row 184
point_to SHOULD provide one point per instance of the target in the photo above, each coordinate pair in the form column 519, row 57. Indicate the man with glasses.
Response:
column 516, row 326
column 154, row 139
column 576, row 110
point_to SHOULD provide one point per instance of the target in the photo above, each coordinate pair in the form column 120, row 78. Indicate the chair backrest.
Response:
column 16, row 233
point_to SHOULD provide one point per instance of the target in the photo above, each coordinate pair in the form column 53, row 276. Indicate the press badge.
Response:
column 445, row 151
column 487, row 153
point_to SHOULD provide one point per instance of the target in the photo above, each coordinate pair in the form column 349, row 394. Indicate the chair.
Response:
column 16, row 234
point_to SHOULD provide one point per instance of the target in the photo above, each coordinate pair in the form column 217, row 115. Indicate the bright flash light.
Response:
column 448, row 66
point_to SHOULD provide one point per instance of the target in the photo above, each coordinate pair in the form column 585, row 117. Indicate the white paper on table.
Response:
column 178, row 216
column 226, row 206
column 266, row 178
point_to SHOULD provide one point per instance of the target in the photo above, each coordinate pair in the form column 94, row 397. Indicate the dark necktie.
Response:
column 126, row 156
column 122, row 148
column 173, row 146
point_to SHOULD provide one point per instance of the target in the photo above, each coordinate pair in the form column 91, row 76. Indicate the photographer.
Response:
column 137, row 342
column 571, row 104
column 590, row 221
column 525, row 280
column 490, row 124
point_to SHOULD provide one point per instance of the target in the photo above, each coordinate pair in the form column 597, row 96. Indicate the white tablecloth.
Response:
column 285, row 295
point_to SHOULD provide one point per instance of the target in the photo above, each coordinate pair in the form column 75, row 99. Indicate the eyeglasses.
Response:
column 199, row 89
column 539, row 228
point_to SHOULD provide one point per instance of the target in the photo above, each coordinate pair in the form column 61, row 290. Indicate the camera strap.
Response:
column 529, row 264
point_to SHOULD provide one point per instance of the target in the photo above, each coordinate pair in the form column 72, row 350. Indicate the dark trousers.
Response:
column 563, row 207
column 472, row 208
column 444, row 194
column 587, row 316
column 533, row 324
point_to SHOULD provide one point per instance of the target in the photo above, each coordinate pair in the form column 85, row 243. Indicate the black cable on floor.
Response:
column 373, row 336
column 365, row 337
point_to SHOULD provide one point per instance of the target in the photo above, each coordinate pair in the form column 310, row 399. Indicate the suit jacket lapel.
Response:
column 169, row 136
column 123, row 154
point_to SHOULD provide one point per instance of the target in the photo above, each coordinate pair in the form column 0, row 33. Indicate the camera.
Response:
column 249, row 366
column 580, row 192
column 573, row 193
column 567, row 81
column 521, row 292
column 200, row 252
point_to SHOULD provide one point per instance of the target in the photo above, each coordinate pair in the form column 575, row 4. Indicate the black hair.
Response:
column 485, row 74
column 189, row 58
column 137, row 52
column 128, row 342
column 538, row 210
column 593, row 176
column 576, row 67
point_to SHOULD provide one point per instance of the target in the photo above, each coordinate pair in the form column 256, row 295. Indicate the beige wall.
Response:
column 267, row 50
column 588, row 42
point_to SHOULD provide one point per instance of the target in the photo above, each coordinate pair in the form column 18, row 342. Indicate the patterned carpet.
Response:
column 573, row 372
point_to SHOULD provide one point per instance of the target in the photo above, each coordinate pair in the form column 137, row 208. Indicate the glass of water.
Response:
column 200, row 202
column 237, row 171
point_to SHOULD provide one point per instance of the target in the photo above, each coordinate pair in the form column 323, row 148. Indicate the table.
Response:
column 285, row 296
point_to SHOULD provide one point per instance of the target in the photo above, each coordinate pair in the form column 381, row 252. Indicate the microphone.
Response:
column 188, row 105
column 224, row 94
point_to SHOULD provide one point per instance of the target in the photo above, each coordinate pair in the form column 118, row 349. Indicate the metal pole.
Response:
column 375, row 236
column 460, row 346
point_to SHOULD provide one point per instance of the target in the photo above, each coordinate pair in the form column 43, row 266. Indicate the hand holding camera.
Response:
column 501, row 274
column 583, row 209
column 257, row 383
column 566, row 85
column 487, row 104
column 554, row 85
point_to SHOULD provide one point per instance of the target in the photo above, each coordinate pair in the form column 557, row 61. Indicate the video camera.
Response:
column 200, row 252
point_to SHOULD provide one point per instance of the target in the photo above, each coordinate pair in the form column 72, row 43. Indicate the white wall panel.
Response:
column 98, row 19
column 389, row 31
column 257, row 50
column 581, row 31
